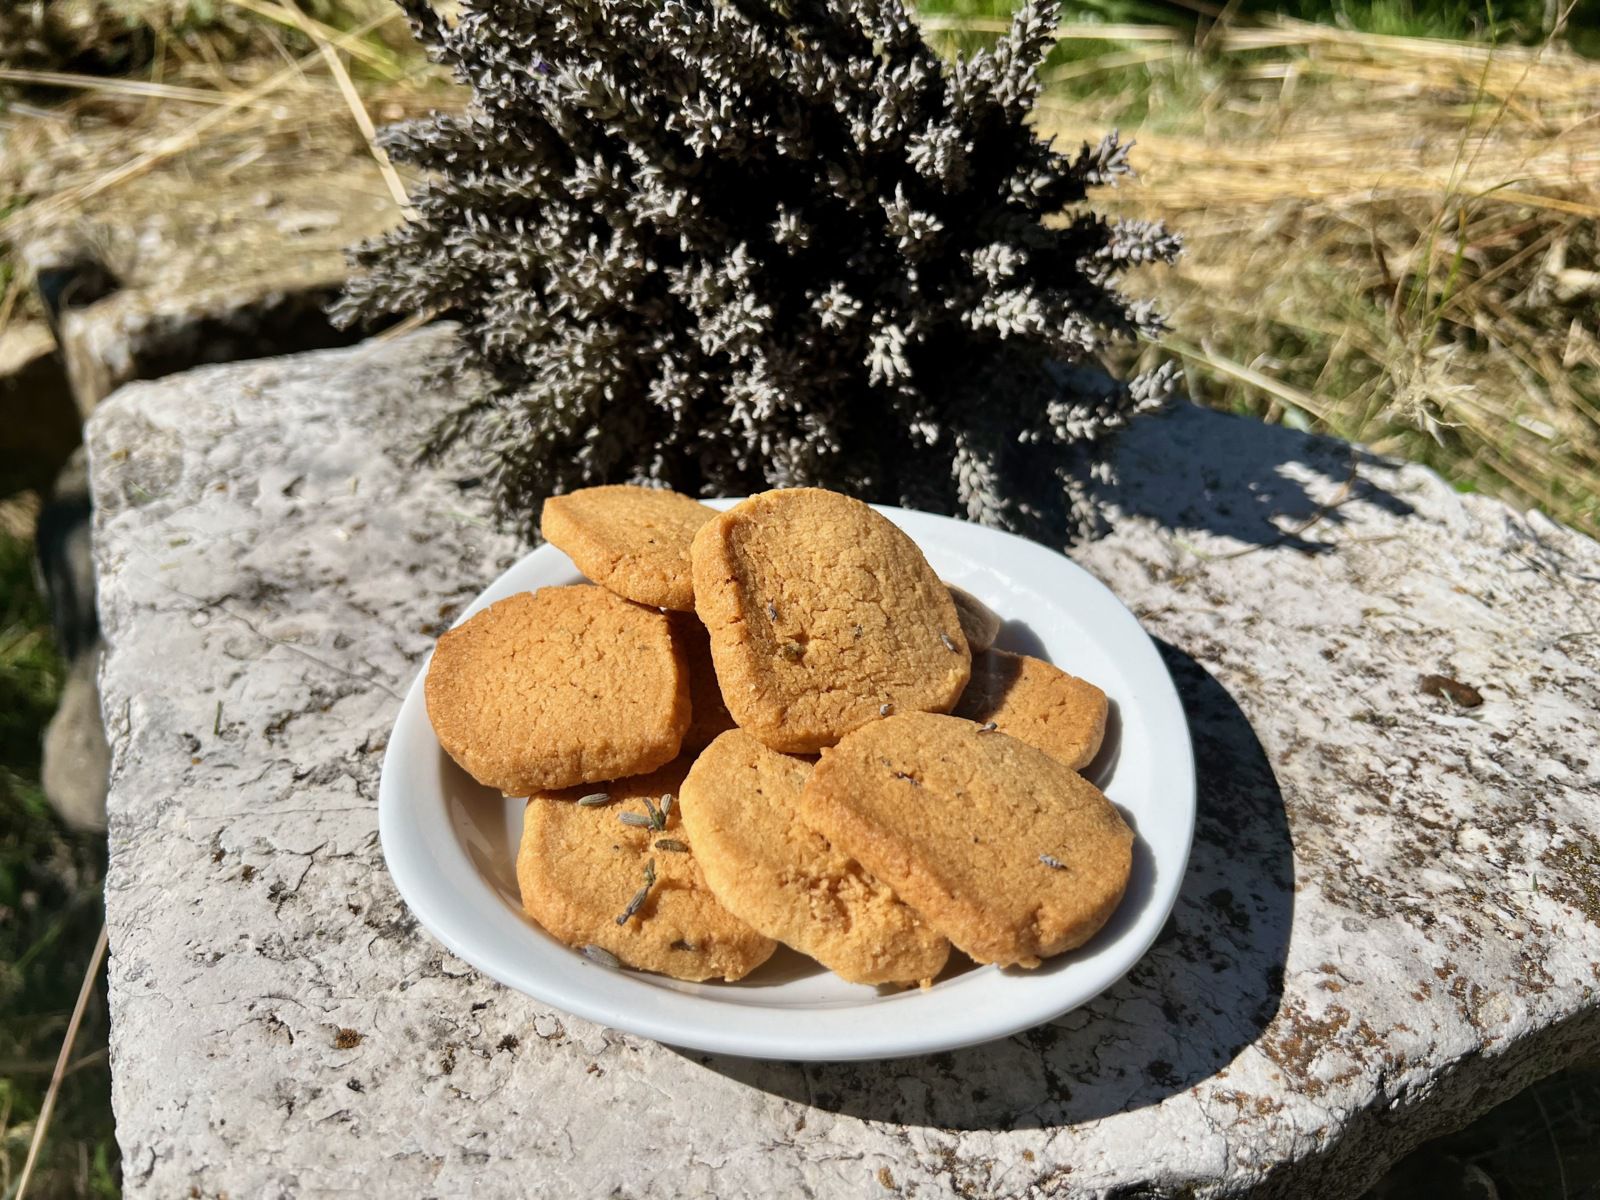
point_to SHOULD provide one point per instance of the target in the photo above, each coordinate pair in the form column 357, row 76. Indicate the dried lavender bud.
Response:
column 636, row 820
column 641, row 895
column 671, row 844
column 600, row 956
column 666, row 806
column 1055, row 864
column 732, row 246
column 987, row 727
column 634, row 906
column 658, row 817
column 595, row 799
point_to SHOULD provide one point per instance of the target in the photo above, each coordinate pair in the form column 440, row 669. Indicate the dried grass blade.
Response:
column 358, row 110
column 178, row 143
column 42, row 1125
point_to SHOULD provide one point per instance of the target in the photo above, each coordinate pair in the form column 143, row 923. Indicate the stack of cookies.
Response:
column 776, row 724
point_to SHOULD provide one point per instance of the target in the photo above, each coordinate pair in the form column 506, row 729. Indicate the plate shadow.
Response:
column 1209, row 986
column 1018, row 637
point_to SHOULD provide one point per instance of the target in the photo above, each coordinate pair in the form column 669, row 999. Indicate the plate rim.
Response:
column 814, row 1034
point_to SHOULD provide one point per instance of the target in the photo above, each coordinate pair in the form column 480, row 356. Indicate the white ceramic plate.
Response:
column 451, row 844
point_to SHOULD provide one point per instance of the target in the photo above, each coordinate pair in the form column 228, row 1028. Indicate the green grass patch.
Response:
column 50, row 915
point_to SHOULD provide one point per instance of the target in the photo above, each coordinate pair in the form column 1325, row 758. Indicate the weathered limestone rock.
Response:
column 1391, row 919
column 75, row 759
column 173, row 272
column 75, row 762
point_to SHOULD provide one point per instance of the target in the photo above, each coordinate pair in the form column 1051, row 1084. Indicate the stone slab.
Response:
column 178, row 272
column 1391, row 919
column 229, row 250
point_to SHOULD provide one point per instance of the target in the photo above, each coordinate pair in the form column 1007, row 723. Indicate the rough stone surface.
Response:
column 180, row 274
column 175, row 272
column 75, row 759
column 1391, row 918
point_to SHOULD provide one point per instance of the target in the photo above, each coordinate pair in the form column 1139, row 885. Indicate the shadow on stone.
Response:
column 1238, row 477
column 1204, row 991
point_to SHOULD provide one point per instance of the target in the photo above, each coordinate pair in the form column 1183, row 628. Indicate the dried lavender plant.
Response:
column 733, row 245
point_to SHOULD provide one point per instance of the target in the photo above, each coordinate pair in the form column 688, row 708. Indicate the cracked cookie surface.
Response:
column 1009, row 853
column 1038, row 703
column 823, row 617
column 740, row 804
column 633, row 541
column 580, row 868
column 562, row 686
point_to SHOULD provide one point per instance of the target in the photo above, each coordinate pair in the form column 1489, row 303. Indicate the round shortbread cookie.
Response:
column 633, row 541
column 1037, row 703
column 979, row 622
column 740, row 805
column 709, row 716
column 558, row 687
column 580, row 868
column 823, row 616
column 1009, row 853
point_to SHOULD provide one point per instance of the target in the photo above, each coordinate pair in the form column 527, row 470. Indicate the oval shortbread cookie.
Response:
column 823, row 617
column 1037, row 703
column 558, row 687
column 581, row 867
column 1009, row 853
column 709, row 716
column 740, row 805
column 979, row 622
column 633, row 541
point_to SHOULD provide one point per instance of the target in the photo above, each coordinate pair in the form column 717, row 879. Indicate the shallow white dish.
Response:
column 451, row 844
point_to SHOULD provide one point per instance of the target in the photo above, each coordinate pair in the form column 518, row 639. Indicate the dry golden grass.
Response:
column 1392, row 239
column 205, row 118
column 1389, row 238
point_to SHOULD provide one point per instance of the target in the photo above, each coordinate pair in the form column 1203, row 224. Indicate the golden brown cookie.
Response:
column 558, row 687
column 631, row 540
column 709, row 716
column 823, row 616
column 580, row 867
column 979, row 622
column 740, row 805
column 1037, row 703
column 1009, row 853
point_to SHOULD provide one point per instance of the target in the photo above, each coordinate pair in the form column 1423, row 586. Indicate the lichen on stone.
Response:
column 733, row 245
